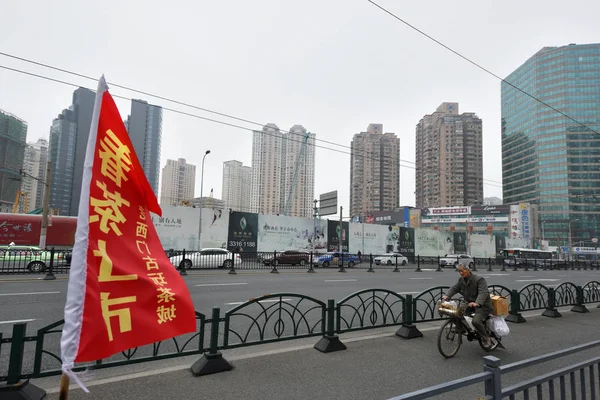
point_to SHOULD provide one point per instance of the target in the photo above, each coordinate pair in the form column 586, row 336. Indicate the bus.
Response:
column 530, row 257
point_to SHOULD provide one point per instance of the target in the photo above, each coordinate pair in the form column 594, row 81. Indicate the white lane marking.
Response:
column 223, row 284
column 407, row 292
column 237, row 303
column 341, row 280
column 537, row 280
column 421, row 278
column 527, row 276
column 26, row 294
column 17, row 321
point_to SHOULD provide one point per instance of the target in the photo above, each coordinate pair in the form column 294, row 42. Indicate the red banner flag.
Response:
column 123, row 290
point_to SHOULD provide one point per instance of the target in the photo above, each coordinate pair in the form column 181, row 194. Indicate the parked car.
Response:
column 206, row 258
column 32, row 258
column 455, row 259
column 390, row 259
column 292, row 257
column 335, row 258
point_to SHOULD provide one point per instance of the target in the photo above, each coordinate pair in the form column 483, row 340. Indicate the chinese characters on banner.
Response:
column 130, row 294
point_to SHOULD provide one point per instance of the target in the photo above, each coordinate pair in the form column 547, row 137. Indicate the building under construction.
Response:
column 13, row 139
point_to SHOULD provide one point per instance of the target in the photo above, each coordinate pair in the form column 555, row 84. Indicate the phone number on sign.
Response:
column 242, row 244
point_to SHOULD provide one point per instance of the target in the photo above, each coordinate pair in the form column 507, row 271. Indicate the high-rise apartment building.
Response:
column 68, row 142
column 374, row 171
column 449, row 158
column 283, row 171
column 35, row 165
column 237, row 186
column 549, row 159
column 13, row 138
column 178, row 182
column 144, row 125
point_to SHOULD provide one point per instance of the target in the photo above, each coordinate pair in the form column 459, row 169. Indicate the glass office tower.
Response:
column 550, row 159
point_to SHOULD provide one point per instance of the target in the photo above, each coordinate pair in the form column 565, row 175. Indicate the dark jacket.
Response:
column 474, row 289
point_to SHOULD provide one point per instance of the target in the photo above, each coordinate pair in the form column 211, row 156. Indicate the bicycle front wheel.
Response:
column 449, row 339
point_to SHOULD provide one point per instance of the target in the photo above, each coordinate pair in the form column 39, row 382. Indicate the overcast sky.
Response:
column 332, row 66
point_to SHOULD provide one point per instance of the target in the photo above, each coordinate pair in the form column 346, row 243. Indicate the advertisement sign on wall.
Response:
column 215, row 228
column 525, row 220
column 407, row 241
column 445, row 211
column 376, row 239
column 482, row 246
column 280, row 233
column 460, row 242
column 334, row 234
column 242, row 234
column 178, row 227
column 515, row 222
column 490, row 210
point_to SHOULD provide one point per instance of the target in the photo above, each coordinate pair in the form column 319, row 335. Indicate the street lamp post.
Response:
column 543, row 236
column 570, row 245
column 201, row 198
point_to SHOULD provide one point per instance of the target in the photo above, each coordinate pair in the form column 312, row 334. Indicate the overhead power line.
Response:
column 365, row 154
column 481, row 67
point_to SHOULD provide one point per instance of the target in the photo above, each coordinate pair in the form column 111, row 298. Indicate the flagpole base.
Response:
column 211, row 364
column 22, row 391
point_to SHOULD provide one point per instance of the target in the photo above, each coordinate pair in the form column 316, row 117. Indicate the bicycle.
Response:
column 458, row 325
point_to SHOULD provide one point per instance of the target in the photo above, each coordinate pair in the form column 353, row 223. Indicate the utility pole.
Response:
column 45, row 208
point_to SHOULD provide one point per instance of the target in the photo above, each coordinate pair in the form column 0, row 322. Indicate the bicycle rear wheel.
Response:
column 449, row 339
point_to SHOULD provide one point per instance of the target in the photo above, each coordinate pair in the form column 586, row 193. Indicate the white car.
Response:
column 390, row 259
column 455, row 259
column 206, row 258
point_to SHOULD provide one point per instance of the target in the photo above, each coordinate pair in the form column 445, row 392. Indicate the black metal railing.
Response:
column 279, row 317
column 52, row 261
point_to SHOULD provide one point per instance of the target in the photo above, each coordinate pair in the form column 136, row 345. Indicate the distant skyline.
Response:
column 334, row 78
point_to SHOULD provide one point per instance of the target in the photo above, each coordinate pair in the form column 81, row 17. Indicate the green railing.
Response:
column 279, row 317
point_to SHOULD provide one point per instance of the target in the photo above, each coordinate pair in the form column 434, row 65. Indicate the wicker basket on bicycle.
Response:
column 449, row 309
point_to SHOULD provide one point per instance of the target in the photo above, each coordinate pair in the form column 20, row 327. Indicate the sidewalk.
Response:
column 376, row 365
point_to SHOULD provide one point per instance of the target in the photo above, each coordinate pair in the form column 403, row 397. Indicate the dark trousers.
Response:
column 479, row 321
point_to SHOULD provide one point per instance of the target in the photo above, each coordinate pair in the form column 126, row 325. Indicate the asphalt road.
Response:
column 370, row 368
column 38, row 302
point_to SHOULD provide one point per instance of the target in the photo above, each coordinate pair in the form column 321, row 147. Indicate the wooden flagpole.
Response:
column 63, row 394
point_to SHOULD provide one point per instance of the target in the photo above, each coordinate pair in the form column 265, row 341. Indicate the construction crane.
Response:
column 18, row 202
column 300, row 159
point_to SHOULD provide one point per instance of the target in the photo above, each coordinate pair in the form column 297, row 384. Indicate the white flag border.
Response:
column 71, row 332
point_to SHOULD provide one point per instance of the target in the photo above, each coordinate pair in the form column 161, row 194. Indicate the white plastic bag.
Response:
column 469, row 322
column 498, row 325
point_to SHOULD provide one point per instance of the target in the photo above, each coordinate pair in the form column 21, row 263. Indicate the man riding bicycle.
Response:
column 475, row 291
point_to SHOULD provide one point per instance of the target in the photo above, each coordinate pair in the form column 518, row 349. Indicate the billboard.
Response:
column 242, row 232
column 280, row 233
column 429, row 242
column 515, row 222
column 460, row 242
column 215, row 228
column 406, row 241
column 482, row 246
column 388, row 217
column 24, row 229
column 334, row 234
column 373, row 239
column 500, row 244
column 178, row 227
column 490, row 210
column 445, row 211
